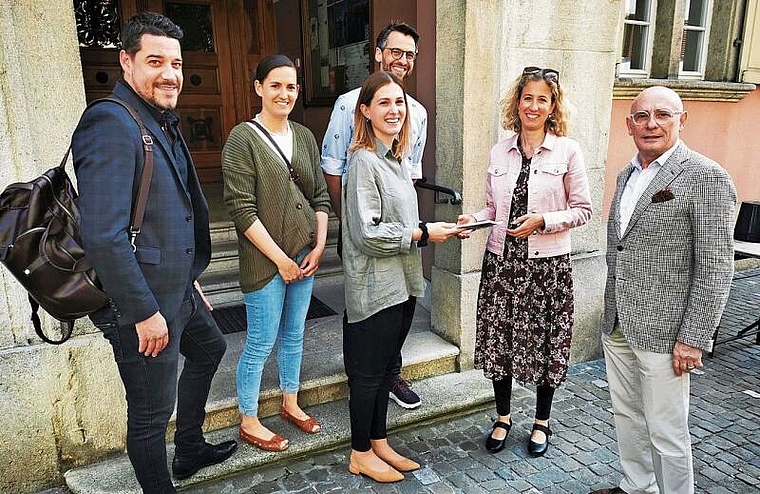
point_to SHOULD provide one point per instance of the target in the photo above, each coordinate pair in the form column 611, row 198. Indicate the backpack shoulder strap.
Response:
column 141, row 198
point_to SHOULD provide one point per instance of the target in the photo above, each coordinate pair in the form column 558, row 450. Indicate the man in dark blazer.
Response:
column 157, row 310
column 670, row 264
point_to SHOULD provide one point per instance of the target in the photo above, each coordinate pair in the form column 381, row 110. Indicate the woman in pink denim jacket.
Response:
column 537, row 190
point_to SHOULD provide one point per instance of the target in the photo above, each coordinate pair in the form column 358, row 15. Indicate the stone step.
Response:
column 323, row 379
column 224, row 257
column 222, row 231
column 220, row 280
column 222, row 288
column 443, row 396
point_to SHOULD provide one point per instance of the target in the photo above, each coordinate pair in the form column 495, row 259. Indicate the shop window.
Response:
column 637, row 37
column 337, row 48
column 696, row 33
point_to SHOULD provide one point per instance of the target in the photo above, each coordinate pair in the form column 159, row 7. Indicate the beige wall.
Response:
column 41, row 83
column 721, row 130
column 59, row 406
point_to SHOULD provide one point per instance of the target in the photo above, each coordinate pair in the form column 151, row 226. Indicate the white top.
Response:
column 637, row 183
column 285, row 141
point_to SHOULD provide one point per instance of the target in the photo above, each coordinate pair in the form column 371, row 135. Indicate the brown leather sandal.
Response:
column 277, row 443
column 309, row 425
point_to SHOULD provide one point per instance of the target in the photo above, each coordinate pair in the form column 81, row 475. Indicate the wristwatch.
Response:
column 423, row 241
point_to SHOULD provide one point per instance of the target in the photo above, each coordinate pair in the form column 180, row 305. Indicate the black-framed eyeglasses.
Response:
column 661, row 116
column 548, row 74
column 397, row 53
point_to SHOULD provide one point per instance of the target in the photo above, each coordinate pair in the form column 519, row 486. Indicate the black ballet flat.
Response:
column 539, row 449
column 495, row 445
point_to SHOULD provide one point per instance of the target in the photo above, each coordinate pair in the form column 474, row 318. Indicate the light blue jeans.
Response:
column 276, row 313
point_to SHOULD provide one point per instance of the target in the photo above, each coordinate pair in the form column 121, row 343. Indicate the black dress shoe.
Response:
column 494, row 445
column 538, row 449
column 210, row 454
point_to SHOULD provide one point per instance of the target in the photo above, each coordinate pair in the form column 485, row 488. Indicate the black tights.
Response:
column 502, row 390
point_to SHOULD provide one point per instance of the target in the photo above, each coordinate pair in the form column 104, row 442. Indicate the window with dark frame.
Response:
column 337, row 48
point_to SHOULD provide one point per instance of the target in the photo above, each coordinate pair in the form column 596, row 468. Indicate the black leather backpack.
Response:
column 41, row 246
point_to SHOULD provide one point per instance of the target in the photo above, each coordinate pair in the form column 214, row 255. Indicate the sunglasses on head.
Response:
column 548, row 74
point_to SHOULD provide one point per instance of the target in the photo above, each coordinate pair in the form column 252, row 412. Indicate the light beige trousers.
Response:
column 651, row 406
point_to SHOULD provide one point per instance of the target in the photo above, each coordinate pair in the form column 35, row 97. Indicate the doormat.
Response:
column 233, row 319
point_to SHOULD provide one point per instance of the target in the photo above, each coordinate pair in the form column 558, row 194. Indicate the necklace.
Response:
column 280, row 134
column 521, row 147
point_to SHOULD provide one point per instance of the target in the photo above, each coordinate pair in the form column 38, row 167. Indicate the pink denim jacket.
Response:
column 557, row 189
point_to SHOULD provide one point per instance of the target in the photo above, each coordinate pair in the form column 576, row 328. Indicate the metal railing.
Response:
column 454, row 196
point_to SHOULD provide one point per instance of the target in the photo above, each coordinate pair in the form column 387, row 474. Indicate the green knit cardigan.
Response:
column 257, row 185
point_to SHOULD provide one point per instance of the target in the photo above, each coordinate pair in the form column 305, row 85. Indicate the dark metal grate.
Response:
column 233, row 319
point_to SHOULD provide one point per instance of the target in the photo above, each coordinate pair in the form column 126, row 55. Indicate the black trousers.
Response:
column 370, row 355
column 502, row 390
column 399, row 363
column 152, row 389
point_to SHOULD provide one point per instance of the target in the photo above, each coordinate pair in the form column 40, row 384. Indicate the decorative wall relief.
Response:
column 98, row 23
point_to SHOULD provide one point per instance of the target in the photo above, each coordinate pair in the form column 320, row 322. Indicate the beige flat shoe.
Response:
column 402, row 465
column 384, row 477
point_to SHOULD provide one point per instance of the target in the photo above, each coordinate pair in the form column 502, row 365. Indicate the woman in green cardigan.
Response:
column 277, row 198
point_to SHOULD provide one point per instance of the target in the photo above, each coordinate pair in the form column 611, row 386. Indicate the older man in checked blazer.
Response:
column 670, row 264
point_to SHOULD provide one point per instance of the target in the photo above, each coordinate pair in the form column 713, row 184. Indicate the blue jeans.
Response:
column 276, row 313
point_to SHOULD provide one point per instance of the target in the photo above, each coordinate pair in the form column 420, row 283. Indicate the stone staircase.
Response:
column 447, row 395
column 429, row 360
column 322, row 375
column 220, row 280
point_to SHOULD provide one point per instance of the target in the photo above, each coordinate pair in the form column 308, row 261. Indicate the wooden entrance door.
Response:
column 223, row 38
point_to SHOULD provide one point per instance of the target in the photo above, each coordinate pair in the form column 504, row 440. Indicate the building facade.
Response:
column 63, row 406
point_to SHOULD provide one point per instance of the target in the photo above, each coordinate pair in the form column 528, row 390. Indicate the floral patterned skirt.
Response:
column 525, row 318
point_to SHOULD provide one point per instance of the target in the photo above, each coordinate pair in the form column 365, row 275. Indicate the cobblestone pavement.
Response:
column 725, row 428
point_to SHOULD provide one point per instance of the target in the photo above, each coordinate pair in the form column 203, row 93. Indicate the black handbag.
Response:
column 40, row 241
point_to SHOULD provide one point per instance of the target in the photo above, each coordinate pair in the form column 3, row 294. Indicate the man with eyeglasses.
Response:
column 396, row 52
column 670, row 265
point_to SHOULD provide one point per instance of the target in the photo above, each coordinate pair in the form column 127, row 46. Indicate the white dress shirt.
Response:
column 637, row 183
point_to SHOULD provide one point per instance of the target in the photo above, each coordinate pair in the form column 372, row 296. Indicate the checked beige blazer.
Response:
column 669, row 273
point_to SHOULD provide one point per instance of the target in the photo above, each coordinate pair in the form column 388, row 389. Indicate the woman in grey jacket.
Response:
column 382, row 268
